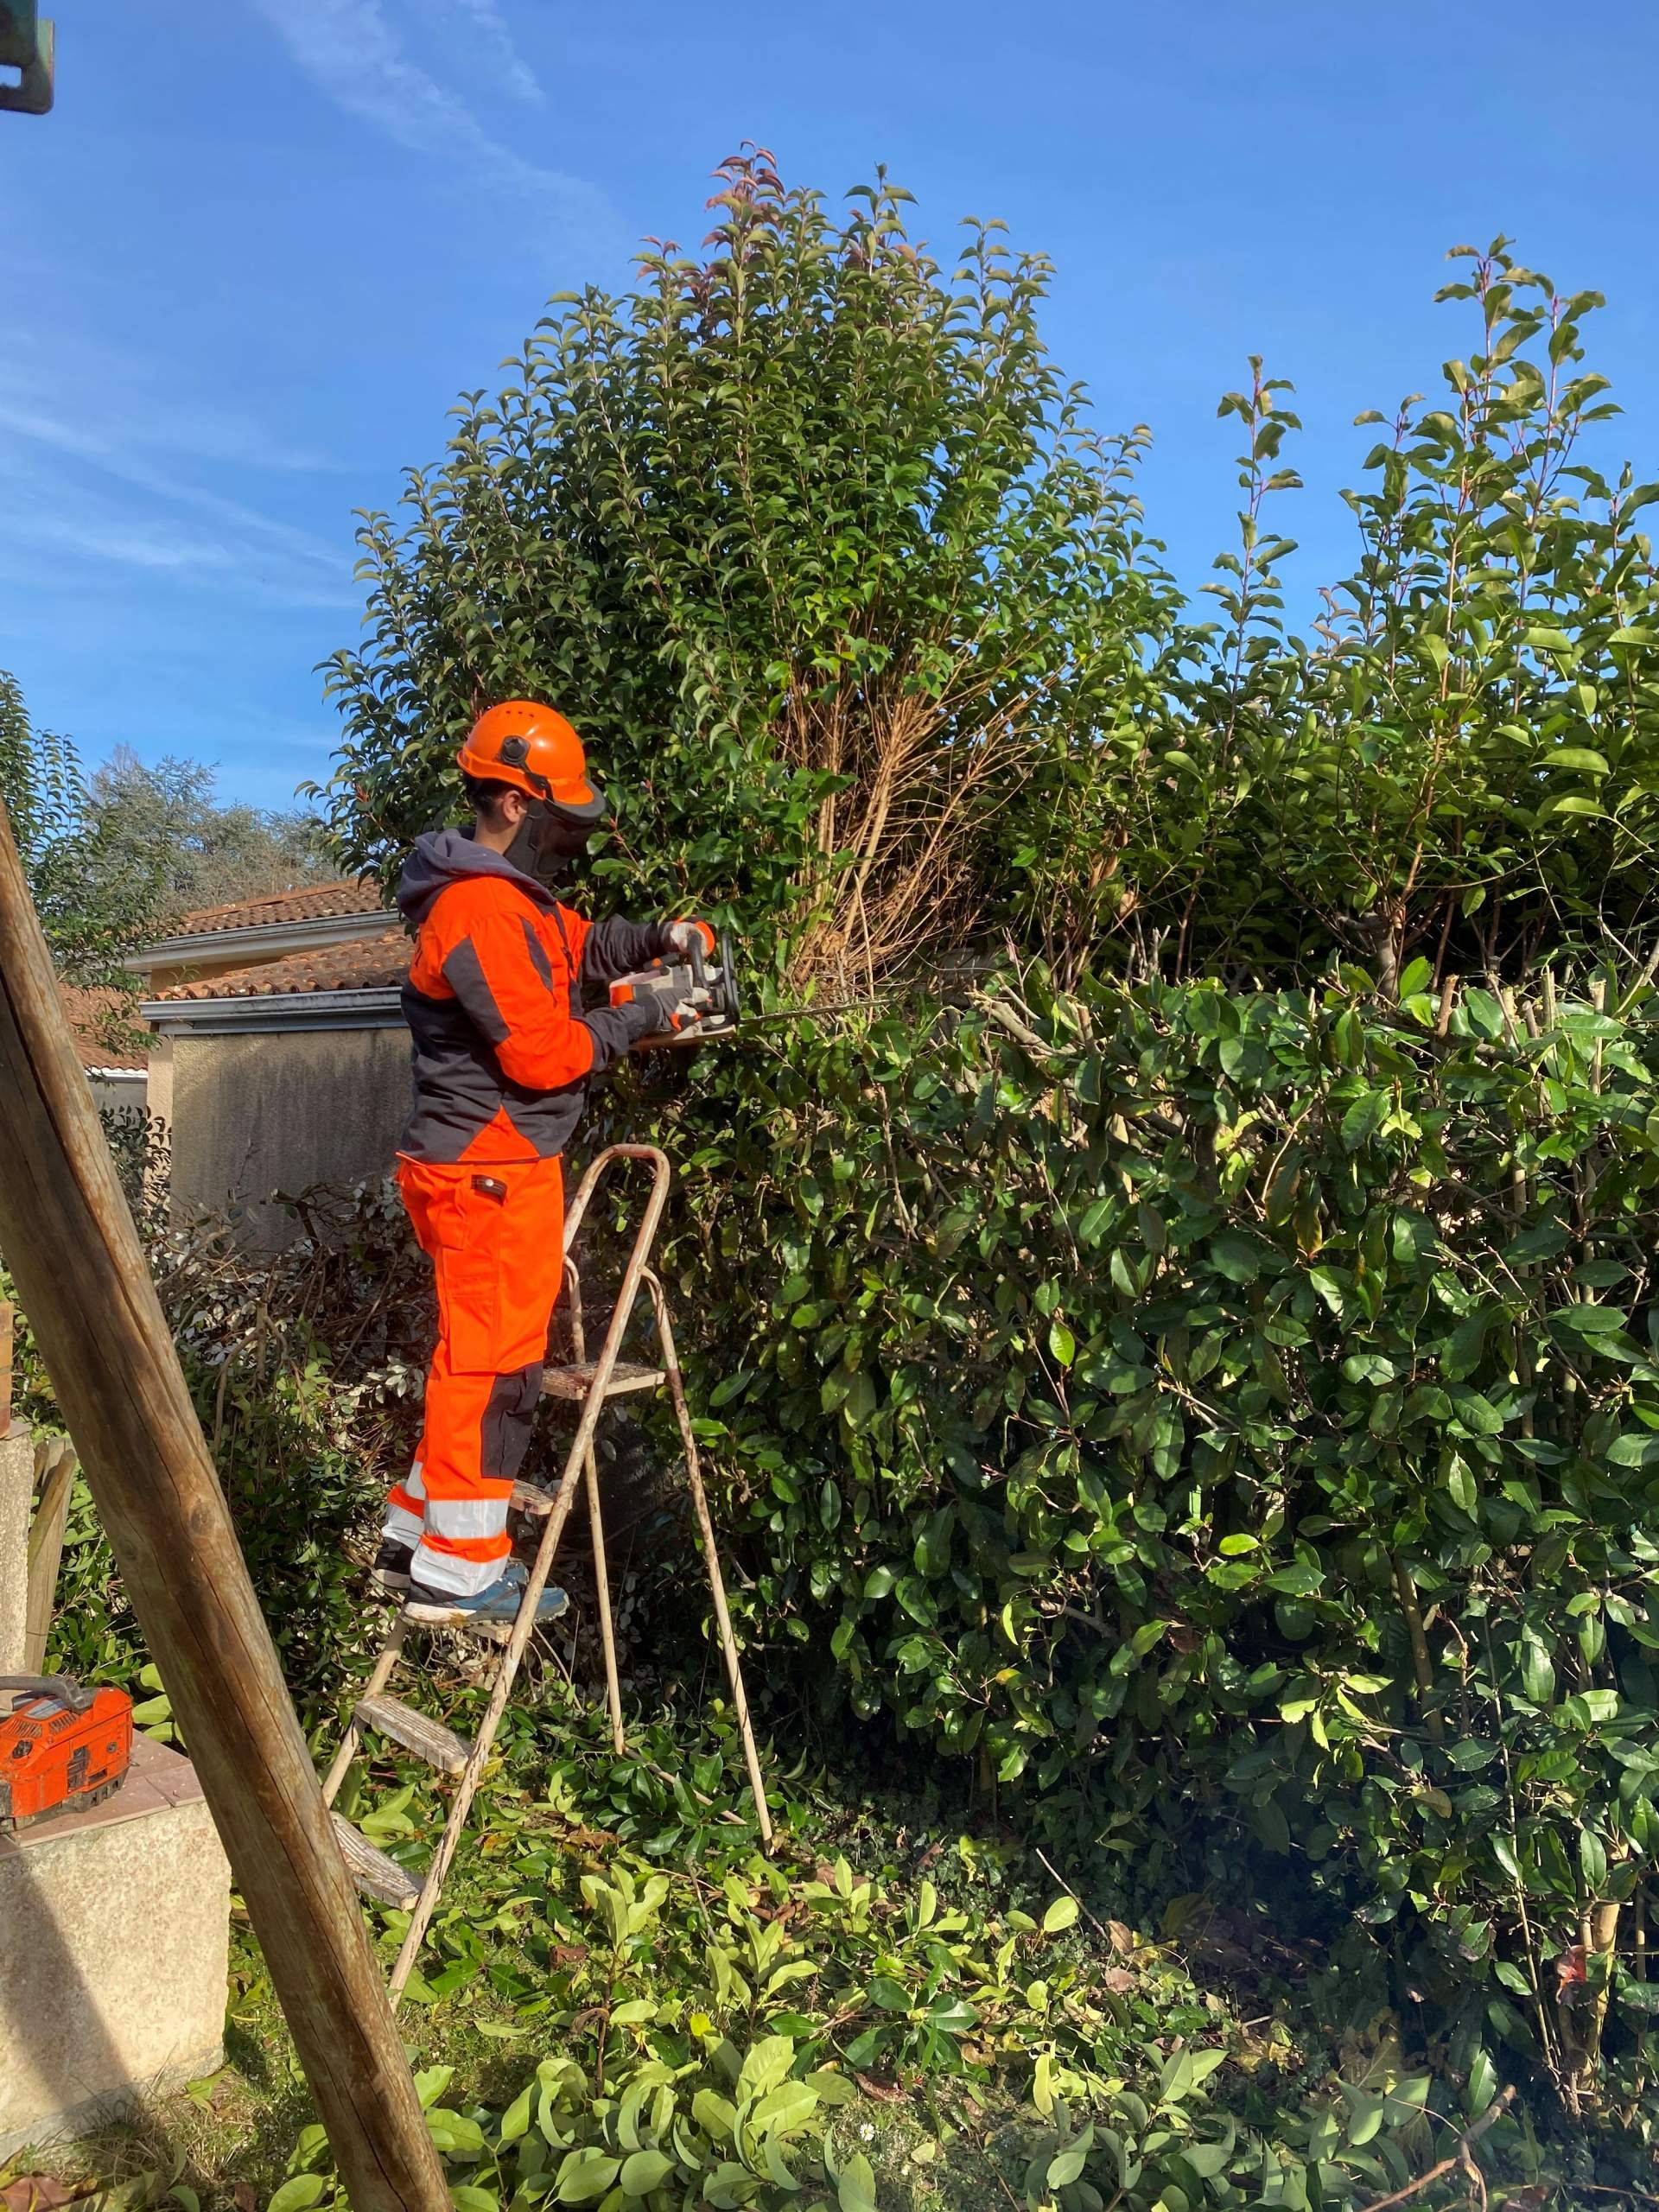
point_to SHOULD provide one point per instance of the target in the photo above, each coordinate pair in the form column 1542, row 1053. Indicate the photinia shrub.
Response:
column 1229, row 1415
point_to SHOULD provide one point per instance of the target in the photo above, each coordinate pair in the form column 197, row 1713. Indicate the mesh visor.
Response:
column 581, row 814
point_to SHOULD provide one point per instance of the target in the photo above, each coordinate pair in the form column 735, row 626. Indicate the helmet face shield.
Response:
column 553, row 834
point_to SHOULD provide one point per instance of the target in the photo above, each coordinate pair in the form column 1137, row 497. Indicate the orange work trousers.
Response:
column 495, row 1235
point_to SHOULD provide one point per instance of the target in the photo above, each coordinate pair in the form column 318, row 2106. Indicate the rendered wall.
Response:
column 279, row 1110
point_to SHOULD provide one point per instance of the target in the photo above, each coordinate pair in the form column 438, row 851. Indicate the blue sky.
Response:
column 260, row 245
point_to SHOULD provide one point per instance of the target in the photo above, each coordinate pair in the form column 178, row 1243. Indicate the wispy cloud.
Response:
column 494, row 43
column 351, row 52
column 90, row 474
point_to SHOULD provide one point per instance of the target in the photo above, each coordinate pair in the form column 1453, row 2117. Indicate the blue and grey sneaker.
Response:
column 496, row 1607
column 391, row 1571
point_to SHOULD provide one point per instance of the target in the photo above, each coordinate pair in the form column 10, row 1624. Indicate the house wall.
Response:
column 127, row 1092
column 278, row 1110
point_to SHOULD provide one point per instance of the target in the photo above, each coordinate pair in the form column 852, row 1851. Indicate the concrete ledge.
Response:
column 114, row 1944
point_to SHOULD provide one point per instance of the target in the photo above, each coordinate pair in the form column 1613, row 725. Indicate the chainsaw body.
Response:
column 62, row 1747
column 707, row 978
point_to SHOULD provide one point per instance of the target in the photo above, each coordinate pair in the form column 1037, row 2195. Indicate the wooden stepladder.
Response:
column 593, row 1384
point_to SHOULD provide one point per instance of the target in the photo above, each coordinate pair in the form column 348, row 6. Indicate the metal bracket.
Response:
column 26, row 45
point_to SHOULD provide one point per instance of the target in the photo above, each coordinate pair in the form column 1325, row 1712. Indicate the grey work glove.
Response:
column 681, row 935
column 653, row 1011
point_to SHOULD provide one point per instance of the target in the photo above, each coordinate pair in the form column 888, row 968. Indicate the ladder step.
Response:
column 577, row 1381
column 417, row 1731
column 375, row 1875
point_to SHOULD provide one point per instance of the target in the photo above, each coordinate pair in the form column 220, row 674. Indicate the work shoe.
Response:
column 496, row 1607
column 391, row 1571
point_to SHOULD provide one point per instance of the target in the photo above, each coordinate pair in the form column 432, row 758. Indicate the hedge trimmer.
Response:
column 706, row 982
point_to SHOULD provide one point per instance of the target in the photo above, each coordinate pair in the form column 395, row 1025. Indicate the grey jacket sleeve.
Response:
column 614, row 1028
column 617, row 947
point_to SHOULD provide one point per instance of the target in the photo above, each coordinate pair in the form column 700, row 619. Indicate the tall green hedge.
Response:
column 1235, row 1418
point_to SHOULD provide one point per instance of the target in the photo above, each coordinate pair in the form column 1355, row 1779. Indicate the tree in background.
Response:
column 163, row 840
column 1464, row 764
column 90, row 918
column 814, row 545
column 115, row 858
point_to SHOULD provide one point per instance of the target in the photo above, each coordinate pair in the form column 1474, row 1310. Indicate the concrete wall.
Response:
column 278, row 1110
column 126, row 1093
column 114, row 1936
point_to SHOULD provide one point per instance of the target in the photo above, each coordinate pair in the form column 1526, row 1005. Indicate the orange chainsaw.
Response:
column 705, row 981
column 62, row 1747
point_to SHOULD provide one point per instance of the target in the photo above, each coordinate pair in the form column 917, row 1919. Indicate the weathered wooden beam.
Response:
column 81, row 1279
column 55, row 1474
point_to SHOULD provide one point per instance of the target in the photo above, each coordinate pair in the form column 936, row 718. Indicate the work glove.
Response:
column 653, row 1011
column 681, row 935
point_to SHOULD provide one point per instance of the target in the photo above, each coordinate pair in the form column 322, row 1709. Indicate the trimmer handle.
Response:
column 63, row 1690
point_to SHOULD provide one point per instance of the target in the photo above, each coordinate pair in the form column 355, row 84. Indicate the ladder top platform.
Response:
column 576, row 1382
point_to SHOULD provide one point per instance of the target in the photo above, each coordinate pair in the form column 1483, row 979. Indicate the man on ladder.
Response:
column 503, row 1052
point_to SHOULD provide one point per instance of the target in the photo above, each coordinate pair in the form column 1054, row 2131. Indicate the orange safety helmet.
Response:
column 533, row 748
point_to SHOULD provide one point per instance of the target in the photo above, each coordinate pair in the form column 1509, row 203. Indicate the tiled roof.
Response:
column 312, row 902
column 370, row 964
column 93, row 1011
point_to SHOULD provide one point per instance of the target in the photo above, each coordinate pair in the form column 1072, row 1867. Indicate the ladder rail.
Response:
column 564, row 1497
column 596, row 1527
column 379, row 1677
column 711, row 1554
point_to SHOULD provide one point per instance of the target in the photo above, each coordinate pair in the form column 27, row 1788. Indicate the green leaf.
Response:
column 859, row 1404
column 1587, row 1322
column 1483, row 2084
column 1234, row 1257
column 716, row 2115
column 1061, row 1915
column 1092, row 1226
column 644, row 2172
column 584, row 2175
column 765, row 2066
column 1365, row 1118
column 298, row 2194
column 785, row 2109
column 515, row 2121
column 856, row 2191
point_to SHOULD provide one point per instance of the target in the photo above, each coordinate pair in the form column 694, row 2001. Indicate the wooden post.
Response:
column 70, row 1243
column 54, row 1475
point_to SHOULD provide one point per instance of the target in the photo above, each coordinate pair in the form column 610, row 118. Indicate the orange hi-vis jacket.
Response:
column 503, row 1046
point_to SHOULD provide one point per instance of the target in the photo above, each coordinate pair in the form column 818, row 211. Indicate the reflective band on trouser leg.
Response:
column 403, row 1510
column 463, row 1545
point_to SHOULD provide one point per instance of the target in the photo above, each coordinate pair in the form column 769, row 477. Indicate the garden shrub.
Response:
column 1236, row 1419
